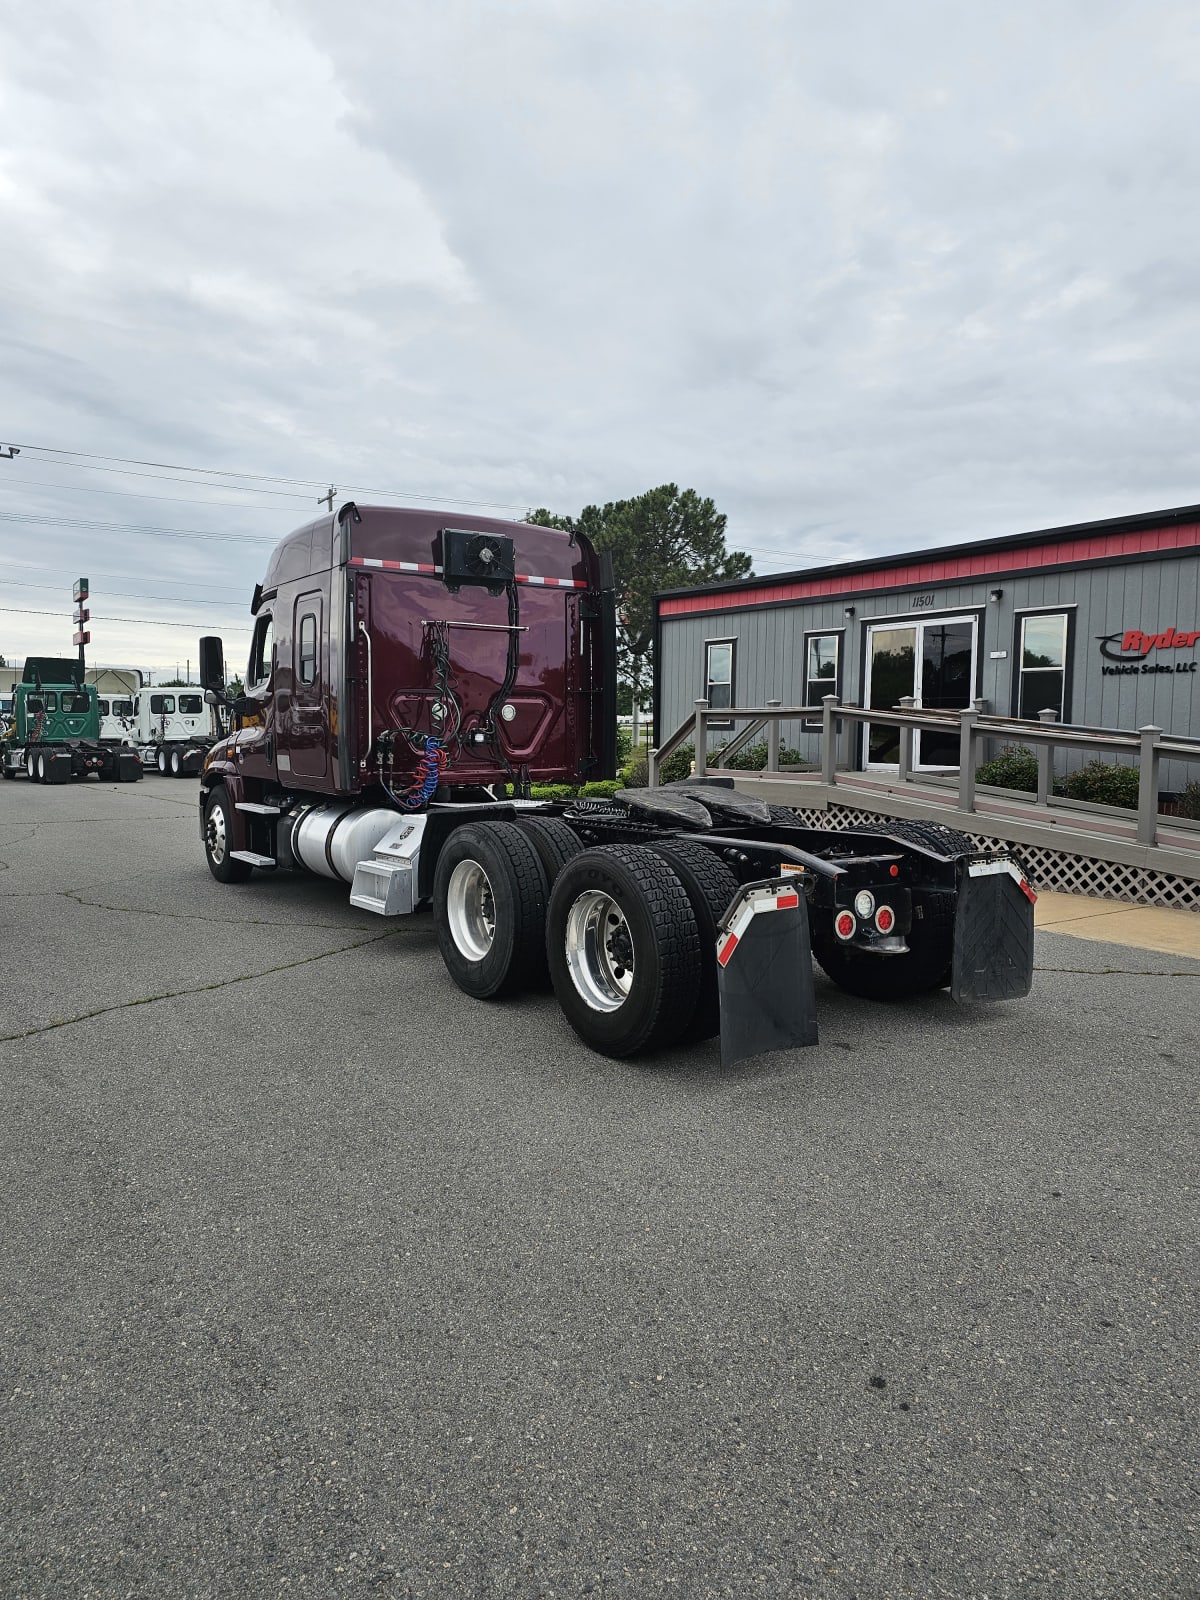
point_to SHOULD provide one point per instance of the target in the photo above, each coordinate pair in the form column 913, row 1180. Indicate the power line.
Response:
column 123, row 594
column 8, row 482
column 259, row 477
column 119, row 577
column 40, row 519
column 145, row 622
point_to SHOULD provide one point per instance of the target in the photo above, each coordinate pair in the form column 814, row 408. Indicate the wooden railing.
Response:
column 1148, row 746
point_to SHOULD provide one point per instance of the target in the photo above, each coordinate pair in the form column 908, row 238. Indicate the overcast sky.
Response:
column 873, row 277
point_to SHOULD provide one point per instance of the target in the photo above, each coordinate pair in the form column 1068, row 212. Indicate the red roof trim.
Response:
column 985, row 563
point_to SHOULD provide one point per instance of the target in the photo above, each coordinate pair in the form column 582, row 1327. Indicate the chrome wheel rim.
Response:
column 30, row 766
column 174, row 763
column 41, row 769
column 162, row 762
column 471, row 910
column 215, row 834
column 599, row 950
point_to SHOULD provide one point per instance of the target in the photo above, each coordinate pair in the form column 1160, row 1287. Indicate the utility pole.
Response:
column 79, row 594
column 326, row 499
column 8, row 451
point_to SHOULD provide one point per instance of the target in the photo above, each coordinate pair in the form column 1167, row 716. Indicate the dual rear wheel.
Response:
column 616, row 930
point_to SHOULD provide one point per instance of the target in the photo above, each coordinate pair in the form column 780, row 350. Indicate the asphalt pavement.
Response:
column 317, row 1278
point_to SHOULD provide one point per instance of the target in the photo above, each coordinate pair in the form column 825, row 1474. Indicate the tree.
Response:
column 662, row 539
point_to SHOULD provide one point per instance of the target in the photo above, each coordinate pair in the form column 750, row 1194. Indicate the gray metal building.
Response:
column 1099, row 622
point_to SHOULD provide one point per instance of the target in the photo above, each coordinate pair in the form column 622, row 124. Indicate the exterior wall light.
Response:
column 995, row 594
column 849, row 611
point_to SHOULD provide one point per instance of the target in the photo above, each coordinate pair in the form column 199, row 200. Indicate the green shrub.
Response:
column 1014, row 768
column 754, row 758
column 1189, row 801
column 1102, row 782
column 601, row 789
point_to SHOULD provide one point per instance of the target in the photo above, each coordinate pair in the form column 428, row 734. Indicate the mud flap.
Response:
column 58, row 767
column 129, row 766
column 993, row 932
column 764, row 972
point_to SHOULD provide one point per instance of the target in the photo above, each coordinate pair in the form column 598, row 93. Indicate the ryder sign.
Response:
column 1134, row 647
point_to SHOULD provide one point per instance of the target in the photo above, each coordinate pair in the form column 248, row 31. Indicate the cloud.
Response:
column 872, row 279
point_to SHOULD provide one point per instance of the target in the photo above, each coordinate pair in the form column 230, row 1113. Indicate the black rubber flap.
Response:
column 768, row 998
column 993, row 937
column 726, row 802
column 670, row 805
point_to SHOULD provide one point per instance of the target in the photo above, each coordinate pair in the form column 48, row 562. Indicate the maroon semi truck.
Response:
column 413, row 675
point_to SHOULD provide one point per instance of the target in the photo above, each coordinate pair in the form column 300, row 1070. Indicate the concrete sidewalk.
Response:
column 1174, row 933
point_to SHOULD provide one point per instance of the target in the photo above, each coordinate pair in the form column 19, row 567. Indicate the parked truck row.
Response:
column 59, row 727
column 409, row 681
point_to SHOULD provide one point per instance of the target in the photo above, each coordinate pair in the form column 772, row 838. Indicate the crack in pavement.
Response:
column 231, row 922
column 1118, row 972
column 200, row 988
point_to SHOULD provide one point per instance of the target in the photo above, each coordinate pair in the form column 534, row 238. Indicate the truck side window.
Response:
column 122, row 708
column 75, row 702
column 103, row 704
column 162, row 705
column 191, row 705
column 308, row 648
column 259, row 669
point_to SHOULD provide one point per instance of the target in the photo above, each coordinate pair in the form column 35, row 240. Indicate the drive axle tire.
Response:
column 554, row 841
column 176, row 765
column 624, row 949
column 218, row 817
column 160, row 761
column 41, row 767
column 31, row 766
column 489, row 906
column 710, row 887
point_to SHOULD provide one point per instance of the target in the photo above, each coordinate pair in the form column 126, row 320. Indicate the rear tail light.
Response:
column 885, row 919
column 864, row 904
column 844, row 925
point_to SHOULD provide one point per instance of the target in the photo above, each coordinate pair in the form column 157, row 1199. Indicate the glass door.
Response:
column 891, row 674
column 933, row 661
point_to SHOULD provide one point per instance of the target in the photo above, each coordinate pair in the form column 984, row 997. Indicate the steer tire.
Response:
column 710, row 887
column 489, row 907
column 554, row 841
column 615, row 901
column 218, row 835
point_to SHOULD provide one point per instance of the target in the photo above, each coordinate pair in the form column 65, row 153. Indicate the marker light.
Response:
column 885, row 919
column 844, row 925
column 864, row 903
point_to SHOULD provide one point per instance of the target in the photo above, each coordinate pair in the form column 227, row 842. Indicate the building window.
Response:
column 822, row 668
column 718, row 677
column 1042, row 655
column 308, row 648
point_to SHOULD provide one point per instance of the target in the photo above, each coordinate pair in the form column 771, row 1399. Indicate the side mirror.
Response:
column 212, row 698
column 212, row 663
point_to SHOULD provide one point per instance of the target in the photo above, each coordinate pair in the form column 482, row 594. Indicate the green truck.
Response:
column 54, row 734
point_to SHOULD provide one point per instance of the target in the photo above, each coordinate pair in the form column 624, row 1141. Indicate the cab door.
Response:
column 307, row 720
column 254, row 750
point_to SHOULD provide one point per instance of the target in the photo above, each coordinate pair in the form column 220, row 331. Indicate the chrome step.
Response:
column 258, row 810
column 253, row 857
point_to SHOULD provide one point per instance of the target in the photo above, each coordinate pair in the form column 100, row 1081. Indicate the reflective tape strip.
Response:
column 787, row 900
column 553, row 583
column 992, row 869
column 435, row 571
column 395, row 566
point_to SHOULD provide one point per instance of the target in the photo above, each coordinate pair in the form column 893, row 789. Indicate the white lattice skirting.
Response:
column 1051, row 869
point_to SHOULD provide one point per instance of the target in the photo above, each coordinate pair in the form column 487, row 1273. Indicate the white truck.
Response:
column 171, row 729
